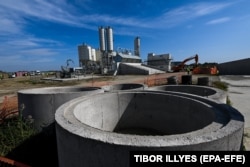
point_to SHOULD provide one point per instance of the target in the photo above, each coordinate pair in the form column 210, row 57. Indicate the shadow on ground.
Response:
column 39, row 150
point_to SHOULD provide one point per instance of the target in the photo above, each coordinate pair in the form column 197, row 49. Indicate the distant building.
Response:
column 126, row 58
column 162, row 61
column 137, row 46
column 86, row 54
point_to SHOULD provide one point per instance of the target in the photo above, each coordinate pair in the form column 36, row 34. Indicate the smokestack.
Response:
column 137, row 46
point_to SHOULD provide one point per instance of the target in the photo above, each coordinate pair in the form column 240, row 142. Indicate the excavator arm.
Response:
column 182, row 64
column 69, row 60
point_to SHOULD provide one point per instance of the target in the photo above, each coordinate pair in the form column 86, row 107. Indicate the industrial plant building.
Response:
column 86, row 54
column 162, row 61
column 105, row 57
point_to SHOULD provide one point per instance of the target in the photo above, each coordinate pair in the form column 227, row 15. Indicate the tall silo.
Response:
column 109, row 33
column 84, row 53
column 137, row 46
column 93, row 54
column 102, row 39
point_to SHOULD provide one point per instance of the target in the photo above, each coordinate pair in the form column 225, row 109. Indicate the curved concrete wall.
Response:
column 209, row 92
column 123, row 87
column 102, row 129
column 41, row 103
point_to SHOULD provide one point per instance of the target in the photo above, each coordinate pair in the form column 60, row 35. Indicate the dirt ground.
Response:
column 10, row 86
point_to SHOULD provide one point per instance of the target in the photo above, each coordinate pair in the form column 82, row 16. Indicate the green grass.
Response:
column 13, row 132
column 220, row 85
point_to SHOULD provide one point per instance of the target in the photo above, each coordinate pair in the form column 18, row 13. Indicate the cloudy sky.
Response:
column 43, row 34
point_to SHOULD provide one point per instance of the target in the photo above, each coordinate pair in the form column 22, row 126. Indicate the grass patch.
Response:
column 223, row 86
column 13, row 132
column 220, row 85
column 229, row 102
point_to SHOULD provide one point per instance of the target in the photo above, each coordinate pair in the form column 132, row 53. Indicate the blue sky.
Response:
column 43, row 34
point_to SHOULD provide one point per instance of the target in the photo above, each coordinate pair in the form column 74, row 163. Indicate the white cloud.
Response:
column 218, row 21
column 186, row 13
column 67, row 14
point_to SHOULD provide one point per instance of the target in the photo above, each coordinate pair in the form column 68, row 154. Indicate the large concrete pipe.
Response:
column 102, row 129
column 204, row 91
column 186, row 79
column 41, row 103
column 124, row 87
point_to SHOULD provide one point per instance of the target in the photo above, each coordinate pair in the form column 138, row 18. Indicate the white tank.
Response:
column 102, row 38
column 93, row 54
column 110, row 45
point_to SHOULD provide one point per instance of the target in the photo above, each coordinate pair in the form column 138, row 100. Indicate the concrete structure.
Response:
column 162, row 61
column 126, row 58
column 109, row 57
column 136, row 69
column 101, row 130
column 239, row 94
column 238, row 67
column 207, row 92
column 106, row 48
column 125, row 86
column 41, row 103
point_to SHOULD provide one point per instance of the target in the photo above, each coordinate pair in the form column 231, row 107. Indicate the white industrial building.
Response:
column 86, row 54
column 109, row 61
column 162, row 61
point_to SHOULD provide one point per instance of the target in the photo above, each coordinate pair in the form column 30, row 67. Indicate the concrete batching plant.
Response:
column 106, row 48
column 110, row 61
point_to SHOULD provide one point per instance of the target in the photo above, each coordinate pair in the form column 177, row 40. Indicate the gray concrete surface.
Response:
column 41, row 103
column 239, row 95
column 102, row 129
column 124, row 86
column 204, row 91
column 137, row 68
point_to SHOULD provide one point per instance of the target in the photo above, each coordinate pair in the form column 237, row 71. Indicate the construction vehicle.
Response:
column 66, row 71
column 205, row 70
column 180, row 67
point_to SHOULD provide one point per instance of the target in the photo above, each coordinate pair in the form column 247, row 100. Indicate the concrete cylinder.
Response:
column 124, row 87
column 172, row 80
column 186, row 79
column 101, row 130
column 41, row 103
column 204, row 91
column 204, row 81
